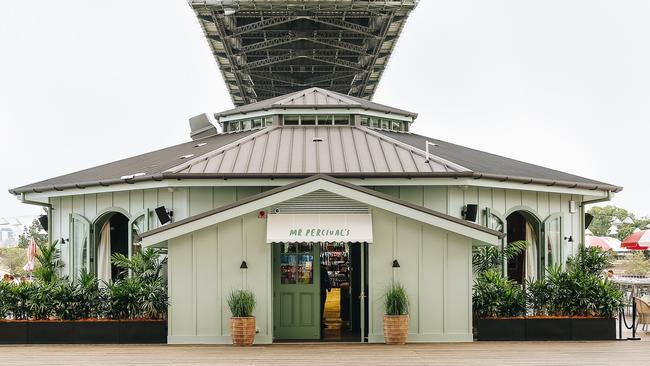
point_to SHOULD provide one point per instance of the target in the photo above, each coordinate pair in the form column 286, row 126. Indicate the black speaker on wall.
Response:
column 43, row 221
column 469, row 213
column 163, row 216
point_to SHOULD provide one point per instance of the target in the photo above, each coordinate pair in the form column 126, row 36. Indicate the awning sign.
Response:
column 283, row 228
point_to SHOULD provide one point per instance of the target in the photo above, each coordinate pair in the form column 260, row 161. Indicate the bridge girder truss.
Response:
column 272, row 47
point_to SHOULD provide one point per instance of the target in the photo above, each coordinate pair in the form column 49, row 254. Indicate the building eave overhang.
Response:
column 316, row 182
column 194, row 176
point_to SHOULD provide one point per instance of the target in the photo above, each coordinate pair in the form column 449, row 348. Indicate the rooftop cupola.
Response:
column 315, row 107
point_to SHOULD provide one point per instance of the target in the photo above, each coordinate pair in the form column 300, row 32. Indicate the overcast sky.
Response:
column 560, row 83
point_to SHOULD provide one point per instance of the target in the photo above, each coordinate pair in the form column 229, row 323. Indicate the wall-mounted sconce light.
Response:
column 569, row 239
column 573, row 208
column 164, row 216
column 62, row 241
column 395, row 263
column 243, row 265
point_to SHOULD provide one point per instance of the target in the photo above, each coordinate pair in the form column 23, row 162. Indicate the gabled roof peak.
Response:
column 318, row 98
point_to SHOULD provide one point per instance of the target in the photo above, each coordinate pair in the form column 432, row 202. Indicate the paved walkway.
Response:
column 477, row 353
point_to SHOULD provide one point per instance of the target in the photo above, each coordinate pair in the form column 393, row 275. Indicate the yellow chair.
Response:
column 643, row 310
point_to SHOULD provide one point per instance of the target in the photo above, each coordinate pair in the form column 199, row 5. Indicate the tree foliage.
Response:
column 604, row 216
column 13, row 260
column 34, row 231
column 637, row 265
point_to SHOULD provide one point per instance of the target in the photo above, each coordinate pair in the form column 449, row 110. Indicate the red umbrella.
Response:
column 637, row 241
column 597, row 241
column 31, row 256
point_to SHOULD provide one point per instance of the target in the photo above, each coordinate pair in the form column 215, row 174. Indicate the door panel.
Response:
column 296, row 290
column 306, row 309
column 286, row 309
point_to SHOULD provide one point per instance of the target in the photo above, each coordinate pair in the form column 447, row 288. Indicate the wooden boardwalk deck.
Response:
column 478, row 353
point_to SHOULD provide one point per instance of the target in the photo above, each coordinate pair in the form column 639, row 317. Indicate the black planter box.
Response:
column 49, row 332
column 97, row 332
column 594, row 329
column 143, row 331
column 83, row 332
column 546, row 329
column 506, row 329
column 13, row 332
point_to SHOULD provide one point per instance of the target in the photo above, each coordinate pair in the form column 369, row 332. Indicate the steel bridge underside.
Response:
column 270, row 48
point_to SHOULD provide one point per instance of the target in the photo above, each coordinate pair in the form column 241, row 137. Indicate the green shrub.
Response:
column 495, row 296
column 396, row 301
column 49, row 263
column 591, row 260
column 489, row 257
column 143, row 295
column 153, row 300
column 91, row 299
column 39, row 301
column 573, row 293
column 65, row 302
column 539, row 296
column 19, row 296
column 241, row 303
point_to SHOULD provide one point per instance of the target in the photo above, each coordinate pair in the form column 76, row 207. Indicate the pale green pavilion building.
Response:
column 305, row 177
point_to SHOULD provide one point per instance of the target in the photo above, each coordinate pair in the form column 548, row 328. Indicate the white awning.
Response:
column 283, row 228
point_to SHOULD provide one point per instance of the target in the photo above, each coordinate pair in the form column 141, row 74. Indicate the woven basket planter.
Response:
column 242, row 330
column 396, row 329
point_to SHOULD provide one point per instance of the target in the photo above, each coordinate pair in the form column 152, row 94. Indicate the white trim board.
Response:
column 312, row 186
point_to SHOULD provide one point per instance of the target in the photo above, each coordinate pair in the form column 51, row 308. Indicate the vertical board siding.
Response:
column 200, row 200
column 435, row 270
column 104, row 201
column 258, row 257
column 456, row 201
column 122, row 200
column 432, row 276
column 413, row 195
column 458, row 307
column 380, row 258
column 409, row 240
column 66, row 210
column 206, row 275
column 180, row 203
column 136, row 201
column 231, row 243
column 181, row 309
column 435, row 198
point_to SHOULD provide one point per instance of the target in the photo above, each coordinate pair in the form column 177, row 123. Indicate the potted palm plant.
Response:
column 242, row 322
column 396, row 318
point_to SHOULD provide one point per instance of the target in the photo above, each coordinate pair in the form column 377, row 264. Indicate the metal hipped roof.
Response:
column 303, row 149
column 141, row 167
column 492, row 166
column 296, row 152
column 315, row 98
column 266, row 48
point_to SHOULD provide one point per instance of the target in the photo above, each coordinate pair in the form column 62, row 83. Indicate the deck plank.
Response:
column 478, row 353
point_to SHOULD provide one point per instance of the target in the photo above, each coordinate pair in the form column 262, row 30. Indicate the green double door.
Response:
column 296, row 291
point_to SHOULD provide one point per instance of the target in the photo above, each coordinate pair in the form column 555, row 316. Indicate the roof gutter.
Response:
column 179, row 176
